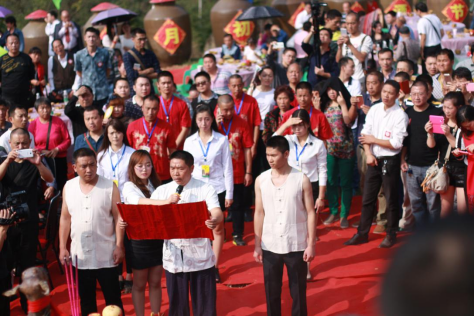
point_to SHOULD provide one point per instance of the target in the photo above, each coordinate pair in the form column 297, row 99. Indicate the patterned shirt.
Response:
column 148, row 59
column 220, row 84
column 94, row 71
column 132, row 109
column 272, row 122
column 341, row 144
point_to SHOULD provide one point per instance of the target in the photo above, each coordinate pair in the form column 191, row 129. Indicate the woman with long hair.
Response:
column 213, row 165
column 335, row 104
column 465, row 122
column 378, row 36
column 145, row 255
column 283, row 97
column 456, row 167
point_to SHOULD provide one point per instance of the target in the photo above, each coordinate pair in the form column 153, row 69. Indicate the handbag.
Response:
column 437, row 178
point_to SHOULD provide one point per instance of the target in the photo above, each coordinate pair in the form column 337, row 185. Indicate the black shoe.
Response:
column 248, row 216
column 229, row 218
column 217, row 276
column 238, row 241
column 388, row 241
column 357, row 239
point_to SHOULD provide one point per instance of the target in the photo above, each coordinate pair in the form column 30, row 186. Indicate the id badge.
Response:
column 205, row 171
column 231, row 149
column 145, row 148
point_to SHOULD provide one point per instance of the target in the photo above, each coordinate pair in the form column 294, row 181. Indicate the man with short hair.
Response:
column 93, row 65
column 173, row 110
column 324, row 65
column 61, row 74
column 154, row 135
column 386, row 60
column 430, row 65
column 229, row 48
column 122, row 88
column 357, row 46
column 462, row 76
column 347, row 70
column 332, row 22
column 90, row 216
column 92, row 139
column 82, row 98
column 189, row 263
column 140, row 61
column 284, row 228
column 133, row 106
column 294, row 75
column 51, row 22
column 303, row 16
column 18, row 117
column 240, row 143
column 382, row 137
column 280, row 69
column 430, row 31
column 407, row 47
column 18, row 174
column 390, row 19
column 406, row 66
column 346, row 6
column 219, row 77
column 206, row 95
column 445, row 65
column 400, row 23
column 417, row 157
column 16, row 72
column 4, row 123
column 69, row 33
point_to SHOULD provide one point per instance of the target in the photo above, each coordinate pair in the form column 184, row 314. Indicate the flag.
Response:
column 57, row 4
column 3, row 51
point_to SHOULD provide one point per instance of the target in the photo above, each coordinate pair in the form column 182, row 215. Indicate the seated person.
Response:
column 251, row 53
column 229, row 48
column 39, row 82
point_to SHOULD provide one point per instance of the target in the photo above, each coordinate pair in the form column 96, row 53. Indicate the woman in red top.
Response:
column 39, row 83
column 465, row 121
column 51, row 138
column 283, row 96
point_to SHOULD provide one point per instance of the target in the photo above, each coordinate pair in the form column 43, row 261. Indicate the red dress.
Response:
column 469, row 180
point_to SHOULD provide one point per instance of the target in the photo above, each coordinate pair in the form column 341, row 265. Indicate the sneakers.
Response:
column 238, row 241
column 379, row 229
column 344, row 223
column 331, row 219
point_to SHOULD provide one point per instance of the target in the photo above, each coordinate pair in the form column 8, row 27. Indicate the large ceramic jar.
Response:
column 222, row 13
column 34, row 34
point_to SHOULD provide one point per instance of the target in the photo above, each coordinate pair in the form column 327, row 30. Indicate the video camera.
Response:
column 316, row 15
column 316, row 9
column 15, row 202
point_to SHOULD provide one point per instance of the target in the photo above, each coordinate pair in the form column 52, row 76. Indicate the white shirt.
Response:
column 108, row 159
column 5, row 140
column 362, row 43
column 92, row 224
column 49, row 30
column 218, row 159
column 125, row 43
column 390, row 124
column 433, row 37
column 74, row 33
column 302, row 17
column 132, row 193
column 250, row 54
column 265, row 101
column 64, row 62
column 437, row 91
column 312, row 160
column 188, row 255
column 355, row 88
column 107, row 42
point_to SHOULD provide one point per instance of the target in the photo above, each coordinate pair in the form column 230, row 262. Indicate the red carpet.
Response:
column 346, row 280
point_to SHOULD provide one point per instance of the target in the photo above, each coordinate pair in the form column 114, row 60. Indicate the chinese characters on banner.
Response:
column 240, row 30
column 456, row 10
column 299, row 9
column 398, row 6
column 357, row 7
column 170, row 36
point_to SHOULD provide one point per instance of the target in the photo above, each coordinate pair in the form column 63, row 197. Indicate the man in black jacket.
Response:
column 69, row 32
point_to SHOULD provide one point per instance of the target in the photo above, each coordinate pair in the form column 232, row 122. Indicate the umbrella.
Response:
column 104, row 6
column 259, row 12
column 4, row 12
column 38, row 14
column 115, row 15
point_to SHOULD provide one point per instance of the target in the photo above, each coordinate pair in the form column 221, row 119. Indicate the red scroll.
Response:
column 174, row 221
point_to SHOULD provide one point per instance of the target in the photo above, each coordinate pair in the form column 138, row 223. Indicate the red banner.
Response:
column 240, row 30
column 174, row 221
column 398, row 6
column 357, row 7
column 170, row 36
column 299, row 9
column 456, row 10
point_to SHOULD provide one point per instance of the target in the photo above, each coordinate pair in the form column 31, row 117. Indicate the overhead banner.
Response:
column 170, row 36
column 240, row 30
column 174, row 221
column 456, row 10
column 399, row 6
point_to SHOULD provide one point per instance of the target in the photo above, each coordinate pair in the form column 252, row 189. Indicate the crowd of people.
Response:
column 384, row 115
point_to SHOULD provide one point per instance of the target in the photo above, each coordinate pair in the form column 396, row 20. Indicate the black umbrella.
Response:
column 259, row 12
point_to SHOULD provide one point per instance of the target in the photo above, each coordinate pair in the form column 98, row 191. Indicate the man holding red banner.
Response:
column 189, row 263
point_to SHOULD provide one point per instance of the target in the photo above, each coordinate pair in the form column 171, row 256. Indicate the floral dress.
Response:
column 341, row 144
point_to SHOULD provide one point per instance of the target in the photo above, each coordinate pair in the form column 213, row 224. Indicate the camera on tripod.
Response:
column 316, row 10
column 15, row 202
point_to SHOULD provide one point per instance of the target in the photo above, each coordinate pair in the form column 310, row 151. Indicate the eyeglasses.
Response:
column 201, row 83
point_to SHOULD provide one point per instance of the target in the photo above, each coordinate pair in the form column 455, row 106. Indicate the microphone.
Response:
column 179, row 189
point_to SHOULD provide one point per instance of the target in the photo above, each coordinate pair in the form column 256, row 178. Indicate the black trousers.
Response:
column 128, row 257
column 5, row 285
column 428, row 50
column 374, row 178
column 237, row 209
column 297, row 273
column 61, row 171
column 109, row 283
column 202, row 287
column 25, row 99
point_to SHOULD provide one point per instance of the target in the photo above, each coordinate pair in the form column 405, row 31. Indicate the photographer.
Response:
column 17, row 174
column 5, row 279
